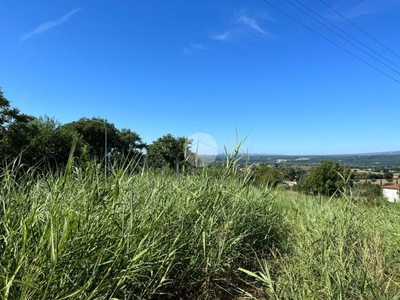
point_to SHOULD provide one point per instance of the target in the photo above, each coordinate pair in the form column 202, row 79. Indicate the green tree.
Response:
column 98, row 134
column 387, row 175
column 128, row 149
column 14, row 130
column 374, row 176
column 289, row 173
column 266, row 175
column 130, row 142
column 36, row 142
column 95, row 132
column 327, row 178
column 50, row 143
column 167, row 151
column 10, row 115
column 45, row 142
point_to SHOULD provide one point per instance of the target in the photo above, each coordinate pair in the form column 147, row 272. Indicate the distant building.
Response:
column 391, row 192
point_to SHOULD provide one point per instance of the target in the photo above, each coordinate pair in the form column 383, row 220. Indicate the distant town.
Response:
column 374, row 161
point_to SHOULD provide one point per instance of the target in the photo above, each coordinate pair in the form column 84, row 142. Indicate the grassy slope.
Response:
column 159, row 236
column 338, row 250
column 133, row 237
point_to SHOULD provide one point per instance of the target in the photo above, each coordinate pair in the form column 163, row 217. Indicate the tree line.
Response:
column 45, row 143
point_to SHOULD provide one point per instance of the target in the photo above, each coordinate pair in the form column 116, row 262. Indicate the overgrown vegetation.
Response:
column 202, row 235
column 339, row 250
column 327, row 178
column 79, row 235
column 72, row 228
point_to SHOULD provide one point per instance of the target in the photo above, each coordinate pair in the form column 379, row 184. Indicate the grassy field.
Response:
column 206, row 235
column 337, row 250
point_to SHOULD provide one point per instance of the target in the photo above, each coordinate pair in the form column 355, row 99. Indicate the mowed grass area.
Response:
column 206, row 235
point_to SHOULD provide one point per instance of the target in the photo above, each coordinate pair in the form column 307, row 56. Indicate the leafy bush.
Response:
column 327, row 178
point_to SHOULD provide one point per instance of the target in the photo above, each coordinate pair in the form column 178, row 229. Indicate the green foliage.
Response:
column 98, row 138
column 10, row 116
column 131, row 236
column 387, row 175
column 129, row 142
column 49, row 144
column 167, row 151
column 45, row 143
column 374, row 176
column 338, row 251
column 274, row 176
column 266, row 175
column 369, row 191
column 39, row 142
column 327, row 178
column 97, row 134
column 14, row 130
column 289, row 173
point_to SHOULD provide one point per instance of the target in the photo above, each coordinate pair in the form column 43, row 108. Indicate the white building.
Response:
column 290, row 183
column 391, row 192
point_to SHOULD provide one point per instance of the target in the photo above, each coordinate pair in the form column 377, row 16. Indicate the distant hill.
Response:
column 374, row 160
column 352, row 154
column 379, row 153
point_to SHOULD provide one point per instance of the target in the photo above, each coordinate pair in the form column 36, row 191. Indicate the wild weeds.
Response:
column 208, row 234
column 78, row 235
column 338, row 250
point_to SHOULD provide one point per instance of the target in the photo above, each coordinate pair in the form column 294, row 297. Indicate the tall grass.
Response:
column 78, row 235
column 339, row 250
column 208, row 234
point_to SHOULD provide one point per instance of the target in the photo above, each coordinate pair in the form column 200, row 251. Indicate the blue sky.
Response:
column 221, row 67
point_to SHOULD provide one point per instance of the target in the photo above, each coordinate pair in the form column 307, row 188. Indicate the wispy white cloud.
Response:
column 198, row 46
column 191, row 47
column 48, row 25
column 223, row 37
column 252, row 23
column 244, row 23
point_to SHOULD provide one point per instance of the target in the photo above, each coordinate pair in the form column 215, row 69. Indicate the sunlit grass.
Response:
column 207, row 234
column 80, row 235
column 339, row 250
